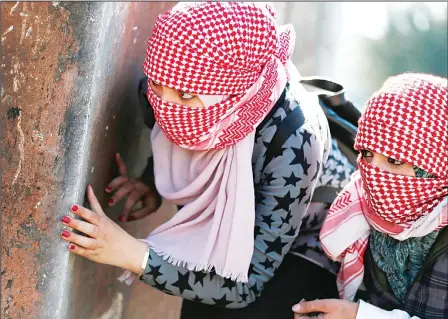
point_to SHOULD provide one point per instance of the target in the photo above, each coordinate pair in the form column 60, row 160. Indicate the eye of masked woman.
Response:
column 388, row 164
column 175, row 96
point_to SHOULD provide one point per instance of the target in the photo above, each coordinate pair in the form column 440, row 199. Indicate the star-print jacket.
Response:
column 284, row 186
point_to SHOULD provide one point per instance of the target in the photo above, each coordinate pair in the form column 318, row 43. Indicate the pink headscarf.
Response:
column 202, row 156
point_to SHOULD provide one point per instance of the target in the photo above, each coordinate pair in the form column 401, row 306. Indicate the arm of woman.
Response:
column 343, row 309
column 368, row 311
column 282, row 196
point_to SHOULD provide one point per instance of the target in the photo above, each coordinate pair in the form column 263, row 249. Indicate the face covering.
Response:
column 202, row 156
column 406, row 120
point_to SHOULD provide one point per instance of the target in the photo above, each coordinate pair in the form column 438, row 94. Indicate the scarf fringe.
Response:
column 128, row 277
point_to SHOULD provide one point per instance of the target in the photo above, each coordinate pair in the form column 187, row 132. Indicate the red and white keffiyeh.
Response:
column 217, row 48
column 407, row 120
column 202, row 156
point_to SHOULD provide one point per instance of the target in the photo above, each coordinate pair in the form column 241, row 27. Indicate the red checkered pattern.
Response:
column 400, row 199
column 216, row 48
column 407, row 119
column 211, row 47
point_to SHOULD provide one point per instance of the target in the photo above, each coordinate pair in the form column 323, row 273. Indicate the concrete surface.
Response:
column 68, row 90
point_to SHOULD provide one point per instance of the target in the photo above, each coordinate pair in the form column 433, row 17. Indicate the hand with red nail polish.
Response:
column 141, row 199
column 65, row 219
column 106, row 242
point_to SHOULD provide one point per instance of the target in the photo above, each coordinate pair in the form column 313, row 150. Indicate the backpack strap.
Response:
column 325, row 194
column 341, row 114
column 342, row 118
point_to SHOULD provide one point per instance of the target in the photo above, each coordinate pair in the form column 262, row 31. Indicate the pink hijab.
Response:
column 202, row 156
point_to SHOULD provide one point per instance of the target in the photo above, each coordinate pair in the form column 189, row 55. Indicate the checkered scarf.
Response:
column 406, row 120
column 217, row 48
column 202, row 156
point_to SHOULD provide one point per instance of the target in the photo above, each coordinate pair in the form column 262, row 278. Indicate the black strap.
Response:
column 325, row 194
column 332, row 95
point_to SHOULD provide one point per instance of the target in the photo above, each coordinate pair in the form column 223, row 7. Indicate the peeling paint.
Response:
column 29, row 109
column 20, row 147
column 14, row 8
column 69, row 75
column 37, row 136
column 28, row 32
column 8, row 30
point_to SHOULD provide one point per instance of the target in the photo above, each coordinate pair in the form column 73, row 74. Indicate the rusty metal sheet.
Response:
column 69, row 75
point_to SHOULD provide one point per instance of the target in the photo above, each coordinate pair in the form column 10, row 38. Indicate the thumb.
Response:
column 93, row 201
column 121, row 165
column 313, row 306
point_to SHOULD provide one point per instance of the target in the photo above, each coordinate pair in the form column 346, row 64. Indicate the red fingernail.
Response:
column 111, row 201
column 120, row 218
column 65, row 234
column 74, row 208
column 108, row 189
column 66, row 219
column 71, row 247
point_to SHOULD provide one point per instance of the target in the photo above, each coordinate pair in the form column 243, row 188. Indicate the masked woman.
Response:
column 221, row 84
column 388, row 226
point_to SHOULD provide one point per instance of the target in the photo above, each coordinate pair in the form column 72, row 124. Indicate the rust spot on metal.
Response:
column 39, row 68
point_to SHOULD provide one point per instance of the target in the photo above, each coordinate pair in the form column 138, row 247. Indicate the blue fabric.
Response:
column 400, row 260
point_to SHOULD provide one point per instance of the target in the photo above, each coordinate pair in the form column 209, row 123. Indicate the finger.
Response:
column 86, row 228
column 85, row 214
column 93, row 201
column 140, row 213
column 134, row 197
column 323, row 305
column 123, row 191
column 116, row 183
column 121, row 165
column 80, row 241
column 79, row 250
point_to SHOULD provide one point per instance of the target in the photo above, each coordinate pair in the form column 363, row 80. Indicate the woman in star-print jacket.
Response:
column 394, row 258
column 286, row 228
column 287, row 263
